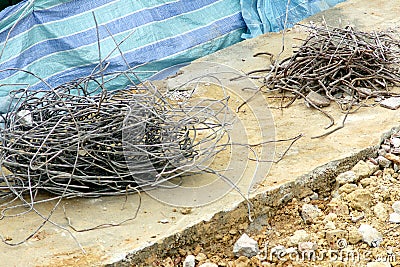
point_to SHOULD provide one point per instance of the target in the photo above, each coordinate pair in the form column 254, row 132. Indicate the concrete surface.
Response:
column 311, row 165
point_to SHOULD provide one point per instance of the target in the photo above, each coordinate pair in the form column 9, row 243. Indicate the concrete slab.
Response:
column 311, row 165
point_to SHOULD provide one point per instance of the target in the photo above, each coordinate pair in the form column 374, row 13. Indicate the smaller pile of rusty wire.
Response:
column 340, row 64
column 71, row 142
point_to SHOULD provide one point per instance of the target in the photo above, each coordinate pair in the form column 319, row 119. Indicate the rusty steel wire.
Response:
column 340, row 61
column 73, row 143
column 67, row 141
column 341, row 65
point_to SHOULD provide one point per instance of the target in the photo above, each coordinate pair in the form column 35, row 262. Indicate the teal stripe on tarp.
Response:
column 57, row 40
column 138, row 56
column 82, row 39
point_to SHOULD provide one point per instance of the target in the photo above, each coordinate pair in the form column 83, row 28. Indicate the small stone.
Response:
column 381, row 211
column 190, row 261
column 233, row 231
column 395, row 141
column 242, row 261
column 307, row 246
column 245, row 246
column 386, row 148
column 333, row 237
column 330, row 225
column 384, row 162
column 360, row 199
column 317, row 99
column 299, row 236
column 395, row 150
column 378, row 264
column 186, row 211
column 348, row 188
column 197, row 249
column 396, row 206
column 330, row 217
column 201, row 257
column 354, row 236
column 208, row 264
column 25, row 117
column 391, row 103
column 392, row 157
column 364, row 169
column 346, row 177
column 309, row 212
column 168, row 262
column 396, row 167
column 357, row 216
column 370, row 235
column 382, row 152
column 182, row 252
column 394, row 217
column 314, row 196
column 365, row 91
column 338, row 207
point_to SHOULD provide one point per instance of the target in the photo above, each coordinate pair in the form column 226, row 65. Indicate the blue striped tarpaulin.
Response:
column 57, row 40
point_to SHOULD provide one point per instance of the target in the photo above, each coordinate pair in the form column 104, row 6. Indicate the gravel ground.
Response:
column 358, row 225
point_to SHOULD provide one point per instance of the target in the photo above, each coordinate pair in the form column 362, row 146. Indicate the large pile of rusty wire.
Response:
column 70, row 142
column 340, row 64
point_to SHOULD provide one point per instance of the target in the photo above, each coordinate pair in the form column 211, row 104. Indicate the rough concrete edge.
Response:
column 321, row 180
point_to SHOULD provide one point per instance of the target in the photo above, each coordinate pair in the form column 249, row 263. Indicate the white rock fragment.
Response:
column 201, row 257
column 245, row 246
column 396, row 206
column 370, row 235
column 364, row 169
column 330, row 225
column 309, row 212
column 395, row 141
column 25, row 117
column 384, row 162
column 314, row 196
column 317, row 99
column 190, row 261
column 381, row 211
column 394, row 217
column 330, row 217
column 307, row 246
column 164, row 221
column 299, row 236
column 346, row 177
column 391, row 103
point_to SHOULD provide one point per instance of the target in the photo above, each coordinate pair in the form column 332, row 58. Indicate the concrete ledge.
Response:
column 320, row 180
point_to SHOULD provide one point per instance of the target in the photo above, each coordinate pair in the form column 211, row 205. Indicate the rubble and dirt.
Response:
column 357, row 225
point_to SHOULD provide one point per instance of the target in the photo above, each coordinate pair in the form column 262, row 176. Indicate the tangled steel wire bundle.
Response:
column 70, row 142
column 339, row 64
